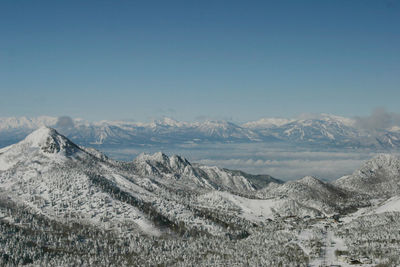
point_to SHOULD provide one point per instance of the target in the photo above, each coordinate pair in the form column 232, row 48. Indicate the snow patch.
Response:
column 250, row 209
column 391, row 205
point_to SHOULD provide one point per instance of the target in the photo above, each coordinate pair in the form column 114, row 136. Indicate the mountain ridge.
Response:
column 325, row 129
column 72, row 204
column 378, row 177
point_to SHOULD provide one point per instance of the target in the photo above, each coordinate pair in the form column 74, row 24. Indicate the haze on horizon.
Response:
column 231, row 60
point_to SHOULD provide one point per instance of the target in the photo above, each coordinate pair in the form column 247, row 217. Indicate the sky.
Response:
column 233, row 60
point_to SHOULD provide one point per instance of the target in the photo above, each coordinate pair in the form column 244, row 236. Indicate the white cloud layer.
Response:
column 328, row 169
column 286, row 163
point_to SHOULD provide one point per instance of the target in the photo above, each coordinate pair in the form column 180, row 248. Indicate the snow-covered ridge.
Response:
column 178, row 168
column 378, row 177
column 323, row 129
column 304, row 120
column 85, row 186
column 267, row 123
column 10, row 123
column 68, row 199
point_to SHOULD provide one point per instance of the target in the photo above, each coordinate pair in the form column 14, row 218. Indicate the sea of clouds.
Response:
column 282, row 162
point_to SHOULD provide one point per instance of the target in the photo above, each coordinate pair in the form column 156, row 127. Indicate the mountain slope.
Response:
column 378, row 177
column 49, row 175
column 64, row 205
column 315, row 195
column 178, row 168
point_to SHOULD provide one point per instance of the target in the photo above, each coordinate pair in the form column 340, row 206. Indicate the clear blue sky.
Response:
column 238, row 60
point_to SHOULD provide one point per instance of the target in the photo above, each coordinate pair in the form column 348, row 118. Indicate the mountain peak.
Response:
column 378, row 177
column 39, row 146
column 310, row 180
column 381, row 161
column 156, row 157
column 174, row 161
column 39, row 136
column 49, row 141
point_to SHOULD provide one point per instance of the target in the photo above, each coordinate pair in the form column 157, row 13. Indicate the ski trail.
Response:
column 331, row 243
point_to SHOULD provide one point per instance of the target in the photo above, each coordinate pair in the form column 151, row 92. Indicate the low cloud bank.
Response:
column 288, row 163
column 379, row 120
column 328, row 169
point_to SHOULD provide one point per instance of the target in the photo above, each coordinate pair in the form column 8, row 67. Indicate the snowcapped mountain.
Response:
column 389, row 139
column 48, row 174
column 326, row 129
column 172, row 130
column 265, row 123
column 319, row 129
column 302, row 120
column 26, row 123
column 323, row 130
column 378, row 177
column 61, row 203
column 225, row 130
column 45, row 164
column 178, row 168
column 313, row 196
column 77, row 183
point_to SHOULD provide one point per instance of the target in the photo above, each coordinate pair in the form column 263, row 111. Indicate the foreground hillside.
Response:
column 62, row 204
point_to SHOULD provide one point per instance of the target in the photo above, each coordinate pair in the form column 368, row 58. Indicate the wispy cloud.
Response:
column 65, row 122
column 378, row 120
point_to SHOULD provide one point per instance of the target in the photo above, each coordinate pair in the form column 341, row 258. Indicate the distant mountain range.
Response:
column 324, row 130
